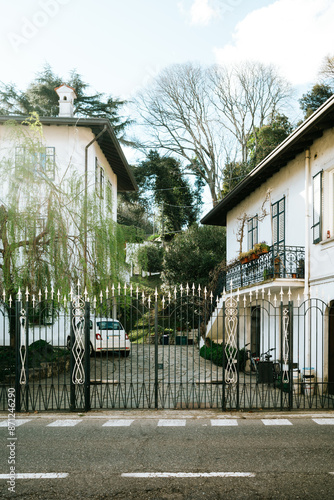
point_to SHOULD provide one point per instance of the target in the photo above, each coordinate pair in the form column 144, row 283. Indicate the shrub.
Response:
column 192, row 255
column 150, row 258
column 217, row 355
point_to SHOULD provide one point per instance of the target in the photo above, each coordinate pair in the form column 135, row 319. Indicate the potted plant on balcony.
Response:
column 253, row 254
column 244, row 257
column 261, row 248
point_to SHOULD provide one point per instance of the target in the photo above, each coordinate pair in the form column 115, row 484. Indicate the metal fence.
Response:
column 184, row 349
column 280, row 262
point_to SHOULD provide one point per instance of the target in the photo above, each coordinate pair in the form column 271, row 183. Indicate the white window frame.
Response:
column 328, row 202
column 109, row 195
column 43, row 161
column 317, row 207
column 252, row 231
column 99, row 179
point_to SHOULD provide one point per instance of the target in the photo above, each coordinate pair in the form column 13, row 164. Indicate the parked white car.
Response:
column 107, row 334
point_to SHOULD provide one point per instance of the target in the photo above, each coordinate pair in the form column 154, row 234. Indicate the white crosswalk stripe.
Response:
column 64, row 423
column 16, row 422
column 276, row 421
column 323, row 421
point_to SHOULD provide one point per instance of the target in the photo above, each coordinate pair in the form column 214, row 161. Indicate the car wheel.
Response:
column 91, row 350
column 127, row 354
column 68, row 343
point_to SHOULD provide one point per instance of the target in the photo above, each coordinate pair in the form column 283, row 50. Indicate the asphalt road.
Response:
column 178, row 455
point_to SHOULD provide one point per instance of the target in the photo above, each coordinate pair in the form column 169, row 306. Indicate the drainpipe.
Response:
column 307, row 226
column 307, row 257
column 86, row 200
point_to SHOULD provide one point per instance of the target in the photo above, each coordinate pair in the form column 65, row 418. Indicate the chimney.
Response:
column 66, row 99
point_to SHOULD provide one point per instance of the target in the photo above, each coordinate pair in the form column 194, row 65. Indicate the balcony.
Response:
column 279, row 262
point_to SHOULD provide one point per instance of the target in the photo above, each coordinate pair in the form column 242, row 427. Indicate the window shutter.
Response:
column 317, row 207
column 252, row 232
column 278, row 219
column 97, row 177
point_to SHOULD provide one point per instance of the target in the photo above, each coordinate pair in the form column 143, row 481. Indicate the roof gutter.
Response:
column 307, row 225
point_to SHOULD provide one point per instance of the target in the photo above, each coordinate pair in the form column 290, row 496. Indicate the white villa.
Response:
column 86, row 147
column 287, row 201
column 87, row 144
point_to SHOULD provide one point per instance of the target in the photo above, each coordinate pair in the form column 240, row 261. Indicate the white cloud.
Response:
column 295, row 35
column 199, row 13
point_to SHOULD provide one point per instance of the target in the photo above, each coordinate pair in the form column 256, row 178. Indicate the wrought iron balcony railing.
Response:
column 280, row 262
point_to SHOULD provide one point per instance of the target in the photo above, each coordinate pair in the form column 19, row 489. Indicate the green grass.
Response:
column 148, row 283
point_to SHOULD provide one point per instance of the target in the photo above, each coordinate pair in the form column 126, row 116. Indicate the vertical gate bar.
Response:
column 238, row 366
column 17, row 356
column 26, row 326
column 290, row 355
column 224, row 360
column 281, row 339
column 72, row 386
column 156, row 392
column 87, row 355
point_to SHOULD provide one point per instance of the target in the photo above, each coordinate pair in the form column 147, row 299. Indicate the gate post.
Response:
column 286, row 316
column 25, row 367
column 78, row 329
column 224, row 361
column 87, row 355
column 290, row 343
column 156, row 389
column 18, row 365
column 72, row 386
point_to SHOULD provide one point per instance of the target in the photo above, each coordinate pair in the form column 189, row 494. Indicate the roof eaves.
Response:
column 82, row 122
column 279, row 150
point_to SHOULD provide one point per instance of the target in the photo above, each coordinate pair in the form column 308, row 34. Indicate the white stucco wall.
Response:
column 322, row 254
column 290, row 182
column 69, row 143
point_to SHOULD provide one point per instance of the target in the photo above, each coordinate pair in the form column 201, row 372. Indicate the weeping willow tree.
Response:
column 45, row 219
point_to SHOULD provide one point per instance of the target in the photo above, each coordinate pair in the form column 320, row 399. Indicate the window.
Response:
column 278, row 223
column 252, row 226
column 109, row 196
column 330, row 230
column 40, row 161
column 317, row 207
column 34, row 227
column 99, row 179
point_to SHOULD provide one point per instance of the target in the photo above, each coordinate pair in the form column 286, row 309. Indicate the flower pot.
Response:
column 244, row 260
column 261, row 252
column 253, row 256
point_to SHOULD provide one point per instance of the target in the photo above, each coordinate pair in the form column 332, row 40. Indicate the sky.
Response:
column 119, row 46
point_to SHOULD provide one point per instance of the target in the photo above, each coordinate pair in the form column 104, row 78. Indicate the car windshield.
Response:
column 108, row 325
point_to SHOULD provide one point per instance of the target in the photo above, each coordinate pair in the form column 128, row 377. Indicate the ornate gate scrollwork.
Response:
column 285, row 350
column 231, row 350
column 23, row 347
column 78, row 349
